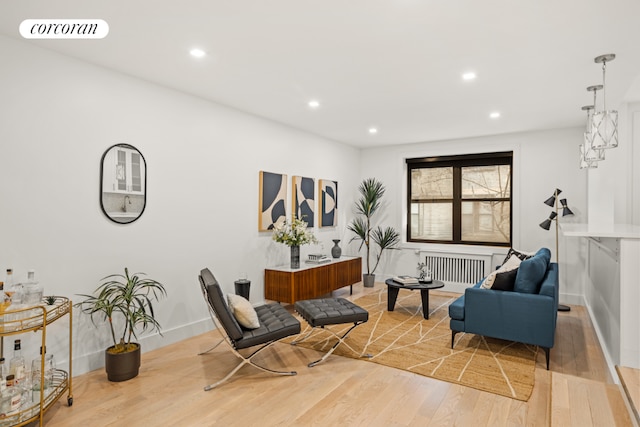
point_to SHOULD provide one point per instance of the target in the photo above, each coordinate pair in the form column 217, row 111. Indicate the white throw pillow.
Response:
column 243, row 311
column 511, row 264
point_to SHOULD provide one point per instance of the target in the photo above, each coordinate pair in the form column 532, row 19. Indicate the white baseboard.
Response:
column 601, row 341
column 573, row 299
column 92, row 361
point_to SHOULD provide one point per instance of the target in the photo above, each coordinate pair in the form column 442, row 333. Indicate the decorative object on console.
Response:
column 371, row 192
column 273, row 194
column 302, row 192
column 553, row 216
column 318, row 259
column 295, row 256
column 132, row 297
column 328, row 202
column 336, row 251
column 293, row 233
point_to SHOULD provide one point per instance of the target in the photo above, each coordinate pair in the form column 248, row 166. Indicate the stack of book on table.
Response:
column 318, row 259
column 406, row 280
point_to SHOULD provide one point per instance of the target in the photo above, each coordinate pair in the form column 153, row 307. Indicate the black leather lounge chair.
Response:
column 275, row 323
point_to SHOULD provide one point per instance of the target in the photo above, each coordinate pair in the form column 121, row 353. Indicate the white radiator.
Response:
column 457, row 268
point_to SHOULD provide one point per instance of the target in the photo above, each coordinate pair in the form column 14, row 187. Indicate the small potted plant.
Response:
column 130, row 298
column 371, row 192
column 293, row 233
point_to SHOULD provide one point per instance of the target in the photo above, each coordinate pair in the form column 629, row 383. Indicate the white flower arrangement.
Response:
column 293, row 233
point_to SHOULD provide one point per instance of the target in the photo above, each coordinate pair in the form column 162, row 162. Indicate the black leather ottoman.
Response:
column 319, row 313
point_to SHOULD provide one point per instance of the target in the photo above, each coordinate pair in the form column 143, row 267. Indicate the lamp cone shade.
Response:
column 565, row 209
column 546, row 224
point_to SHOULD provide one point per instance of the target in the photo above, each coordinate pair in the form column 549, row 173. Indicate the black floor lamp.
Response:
column 553, row 216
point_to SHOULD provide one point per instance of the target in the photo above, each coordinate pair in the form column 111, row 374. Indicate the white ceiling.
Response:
column 392, row 64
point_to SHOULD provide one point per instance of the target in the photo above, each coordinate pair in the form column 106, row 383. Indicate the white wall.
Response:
column 58, row 117
column 634, row 182
column 543, row 161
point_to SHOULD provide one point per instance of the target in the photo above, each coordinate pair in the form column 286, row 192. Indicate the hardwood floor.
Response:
column 577, row 391
column 630, row 381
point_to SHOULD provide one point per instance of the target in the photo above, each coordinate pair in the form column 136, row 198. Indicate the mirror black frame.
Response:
column 108, row 199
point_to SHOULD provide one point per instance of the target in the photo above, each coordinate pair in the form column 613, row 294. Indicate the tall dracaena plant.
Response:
column 130, row 296
column 371, row 192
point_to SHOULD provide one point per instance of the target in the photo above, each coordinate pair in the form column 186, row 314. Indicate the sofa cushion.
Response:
column 456, row 309
column 512, row 264
column 532, row 271
column 522, row 255
column 505, row 281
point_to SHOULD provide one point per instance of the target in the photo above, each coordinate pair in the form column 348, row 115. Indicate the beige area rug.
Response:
column 403, row 339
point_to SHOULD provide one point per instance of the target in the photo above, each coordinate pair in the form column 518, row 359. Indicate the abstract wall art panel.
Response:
column 328, row 202
column 273, row 195
column 302, row 195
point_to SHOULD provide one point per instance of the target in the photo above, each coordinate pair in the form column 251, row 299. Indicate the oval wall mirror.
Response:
column 123, row 183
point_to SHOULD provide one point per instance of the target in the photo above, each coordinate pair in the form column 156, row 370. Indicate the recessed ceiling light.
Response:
column 373, row 131
column 469, row 76
column 313, row 103
column 198, row 53
column 494, row 115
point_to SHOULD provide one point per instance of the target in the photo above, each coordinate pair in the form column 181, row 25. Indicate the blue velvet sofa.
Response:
column 526, row 314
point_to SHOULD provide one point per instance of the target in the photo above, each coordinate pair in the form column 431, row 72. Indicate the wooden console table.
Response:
column 287, row 285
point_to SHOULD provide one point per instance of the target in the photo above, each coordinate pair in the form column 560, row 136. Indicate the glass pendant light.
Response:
column 604, row 127
column 586, row 164
column 589, row 153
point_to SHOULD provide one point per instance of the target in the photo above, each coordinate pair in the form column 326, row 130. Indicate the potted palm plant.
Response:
column 371, row 192
column 130, row 298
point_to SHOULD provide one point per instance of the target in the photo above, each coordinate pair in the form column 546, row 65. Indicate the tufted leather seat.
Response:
column 330, row 311
column 275, row 323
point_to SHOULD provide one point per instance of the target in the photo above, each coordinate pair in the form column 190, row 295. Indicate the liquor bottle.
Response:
column 3, row 374
column 14, row 290
column 36, row 376
column 5, row 300
column 11, row 397
column 17, row 365
column 9, row 278
column 31, row 290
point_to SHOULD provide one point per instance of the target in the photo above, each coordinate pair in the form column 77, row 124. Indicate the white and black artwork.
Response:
column 303, row 192
column 272, row 204
column 328, row 203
